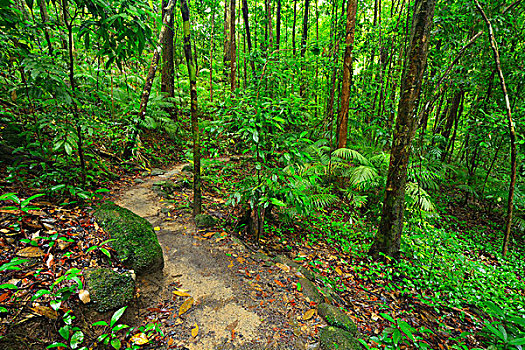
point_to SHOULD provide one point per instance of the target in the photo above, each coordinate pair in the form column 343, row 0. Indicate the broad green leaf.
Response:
column 117, row 315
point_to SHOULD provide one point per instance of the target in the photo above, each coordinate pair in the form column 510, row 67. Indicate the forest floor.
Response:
column 217, row 291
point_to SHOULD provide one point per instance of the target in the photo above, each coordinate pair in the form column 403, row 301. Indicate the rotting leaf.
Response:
column 45, row 311
column 309, row 314
column 232, row 325
column 188, row 303
column 140, row 339
column 283, row 267
column 30, row 252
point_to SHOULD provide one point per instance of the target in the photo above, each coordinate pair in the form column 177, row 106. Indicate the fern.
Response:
column 363, row 177
column 350, row 154
column 419, row 197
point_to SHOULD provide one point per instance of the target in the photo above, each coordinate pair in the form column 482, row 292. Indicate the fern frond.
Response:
column 419, row 197
column 350, row 154
column 363, row 176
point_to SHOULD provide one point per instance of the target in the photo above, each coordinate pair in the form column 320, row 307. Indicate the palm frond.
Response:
column 363, row 176
column 419, row 197
column 350, row 154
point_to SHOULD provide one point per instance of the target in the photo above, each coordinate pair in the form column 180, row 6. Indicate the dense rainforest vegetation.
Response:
column 388, row 132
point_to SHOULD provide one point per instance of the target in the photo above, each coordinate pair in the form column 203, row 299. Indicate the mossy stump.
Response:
column 135, row 243
column 334, row 316
column 333, row 338
column 109, row 290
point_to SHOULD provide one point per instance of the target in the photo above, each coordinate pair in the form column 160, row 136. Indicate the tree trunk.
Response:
column 45, row 20
column 227, row 39
column 168, row 68
column 388, row 238
column 211, row 55
column 233, row 47
column 304, row 38
column 197, row 200
column 128, row 151
column 342, row 127
column 294, row 24
column 248, row 35
column 512, row 131
column 278, row 26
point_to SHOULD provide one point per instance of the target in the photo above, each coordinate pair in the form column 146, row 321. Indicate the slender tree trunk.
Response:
column 45, row 20
column 197, row 200
column 304, row 39
column 149, row 78
column 342, row 128
column 294, row 24
column 248, row 34
column 168, row 67
column 278, row 26
column 512, row 131
column 227, row 39
column 233, row 47
column 211, row 54
column 388, row 238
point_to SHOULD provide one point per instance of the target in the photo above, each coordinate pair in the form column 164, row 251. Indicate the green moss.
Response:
column 333, row 338
column 310, row 290
column 109, row 290
column 336, row 317
column 204, row 221
column 136, row 243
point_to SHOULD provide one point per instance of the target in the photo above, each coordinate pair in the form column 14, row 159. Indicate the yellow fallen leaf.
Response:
column 208, row 235
column 186, row 305
column 283, row 267
column 30, row 252
column 195, row 331
column 308, row 314
column 181, row 294
column 140, row 339
column 156, row 228
column 339, row 271
column 45, row 311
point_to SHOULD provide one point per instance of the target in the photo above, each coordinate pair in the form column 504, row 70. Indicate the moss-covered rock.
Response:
column 204, row 221
column 334, row 316
column 333, row 338
column 109, row 290
column 135, row 241
column 310, row 290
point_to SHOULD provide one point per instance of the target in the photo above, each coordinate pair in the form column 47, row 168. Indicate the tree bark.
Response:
column 248, row 34
column 388, row 238
column 227, row 38
column 211, row 54
column 278, row 26
column 342, row 127
column 197, row 200
column 45, row 20
column 512, row 131
column 304, row 38
column 168, row 67
column 233, row 47
column 294, row 24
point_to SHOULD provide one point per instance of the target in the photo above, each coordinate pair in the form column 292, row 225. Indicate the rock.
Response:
column 333, row 338
column 139, row 181
column 204, row 221
column 306, row 273
column 310, row 290
column 109, row 290
column 261, row 256
column 135, row 243
column 157, row 172
column 284, row 260
column 334, row 316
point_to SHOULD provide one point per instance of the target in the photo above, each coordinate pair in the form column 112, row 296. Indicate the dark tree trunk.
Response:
column 388, row 238
column 197, row 200
column 168, row 67
column 227, row 39
column 294, row 24
column 342, row 127
column 304, row 39
column 248, row 34
column 233, row 47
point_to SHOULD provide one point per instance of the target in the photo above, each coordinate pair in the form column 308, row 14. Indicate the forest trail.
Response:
column 237, row 304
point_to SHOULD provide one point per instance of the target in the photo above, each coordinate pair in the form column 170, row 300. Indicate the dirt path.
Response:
column 242, row 301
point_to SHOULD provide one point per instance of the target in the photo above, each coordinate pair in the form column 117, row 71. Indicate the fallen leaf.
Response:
column 4, row 297
column 279, row 283
column 186, row 305
column 308, row 314
column 140, row 339
column 45, row 311
column 30, row 252
column 208, row 235
column 156, row 228
column 283, row 267
column 232, row 326
column 181, row 294
column 339, row 271
column 83, row 295
column 170, row 341
column 195, row 331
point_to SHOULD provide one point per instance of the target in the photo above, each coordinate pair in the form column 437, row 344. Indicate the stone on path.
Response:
column 109, row 290
column 334, row 316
